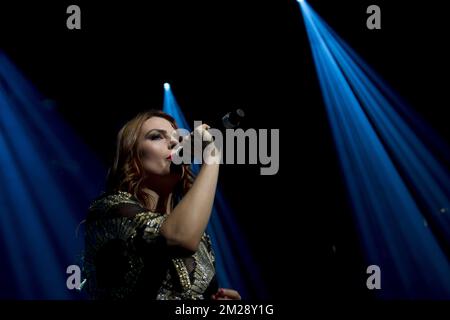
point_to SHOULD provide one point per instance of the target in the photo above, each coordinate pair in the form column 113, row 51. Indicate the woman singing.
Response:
column 145, row 236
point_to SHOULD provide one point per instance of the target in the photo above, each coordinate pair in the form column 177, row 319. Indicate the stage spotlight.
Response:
column 397, row 188
column 166, row 86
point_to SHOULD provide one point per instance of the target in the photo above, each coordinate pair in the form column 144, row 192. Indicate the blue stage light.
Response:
column 49, row 177
column 396, row 185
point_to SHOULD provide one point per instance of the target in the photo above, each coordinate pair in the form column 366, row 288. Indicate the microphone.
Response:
column 231, row 120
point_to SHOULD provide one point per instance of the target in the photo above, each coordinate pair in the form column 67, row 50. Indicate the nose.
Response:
column 173, row 142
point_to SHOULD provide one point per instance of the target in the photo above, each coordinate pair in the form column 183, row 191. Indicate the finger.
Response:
column 230, row 293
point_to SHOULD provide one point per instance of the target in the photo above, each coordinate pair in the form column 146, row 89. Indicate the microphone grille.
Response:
column 232, row 119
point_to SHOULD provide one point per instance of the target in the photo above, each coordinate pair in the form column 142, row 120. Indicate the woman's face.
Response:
column 156, row 143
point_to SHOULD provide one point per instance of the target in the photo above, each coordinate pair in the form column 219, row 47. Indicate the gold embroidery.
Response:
column 106, row 228
column 98, row 234
column 202, row 275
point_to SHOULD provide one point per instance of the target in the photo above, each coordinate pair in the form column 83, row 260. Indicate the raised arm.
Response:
column 187, row 222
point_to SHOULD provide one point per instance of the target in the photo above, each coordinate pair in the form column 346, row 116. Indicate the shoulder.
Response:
column 109, row 200
column 114, row 203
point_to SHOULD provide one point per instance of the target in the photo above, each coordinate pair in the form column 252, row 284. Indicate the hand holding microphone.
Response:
column 198, row 145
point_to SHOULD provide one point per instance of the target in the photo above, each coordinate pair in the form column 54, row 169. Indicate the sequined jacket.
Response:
column 126, row 257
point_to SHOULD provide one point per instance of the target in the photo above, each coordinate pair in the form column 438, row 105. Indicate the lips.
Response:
column 169, row 157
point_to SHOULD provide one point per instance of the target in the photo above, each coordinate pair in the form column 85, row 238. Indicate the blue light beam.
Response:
column 397, row 188
column 49, row 179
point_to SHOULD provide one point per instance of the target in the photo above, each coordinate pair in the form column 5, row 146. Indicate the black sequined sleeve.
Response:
column 123, row 249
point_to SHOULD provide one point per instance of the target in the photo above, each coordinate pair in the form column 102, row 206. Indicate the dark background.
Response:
column 219, row 55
